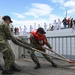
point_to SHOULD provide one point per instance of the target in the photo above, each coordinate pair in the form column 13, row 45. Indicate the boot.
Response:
column 37, row 66
column 53, row 64
column 1, row 68
column 15, row 68
column 7, row 71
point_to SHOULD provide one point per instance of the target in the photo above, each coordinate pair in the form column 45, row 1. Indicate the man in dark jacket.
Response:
column 64, row 22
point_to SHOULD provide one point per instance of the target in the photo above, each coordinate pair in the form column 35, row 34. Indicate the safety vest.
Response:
column 40, row 39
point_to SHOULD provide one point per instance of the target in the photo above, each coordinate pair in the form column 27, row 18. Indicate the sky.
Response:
column 28, row 12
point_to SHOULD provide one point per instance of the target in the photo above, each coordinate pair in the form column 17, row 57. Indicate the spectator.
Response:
column 74, row 22
column 71, row 23
column 55, row 25
column 24, row 30
column 12, row 28
column 52, row 28
column 31, row 28
column 39, row 25
column 49, row 27
column 15, row 30
column 45, row 26
column 64, row 22
column 35, row 26
column 59, row 24
column 20, row 30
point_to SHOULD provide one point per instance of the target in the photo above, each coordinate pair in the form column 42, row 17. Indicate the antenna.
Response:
column 66, row 13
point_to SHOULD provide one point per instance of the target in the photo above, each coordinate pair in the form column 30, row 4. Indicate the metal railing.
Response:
column 64, row 45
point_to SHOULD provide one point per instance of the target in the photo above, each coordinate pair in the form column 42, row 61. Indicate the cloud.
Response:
column 58, row 1
column 31, row 14
column 19, row 15
column 28, row 22
column 71, row 11
column 70, row 4
column 65, row 3
column 38, row 9
column 54, row 17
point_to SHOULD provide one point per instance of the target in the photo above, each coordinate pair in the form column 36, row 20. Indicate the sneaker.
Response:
column 1, row 68
column 37, row 66
column 54, row 65
column 7, row 72
column 15, row 68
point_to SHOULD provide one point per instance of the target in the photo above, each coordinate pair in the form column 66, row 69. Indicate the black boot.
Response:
column 1, row 68
column 7, row 71
column 14, row 67
column 37, row 66
column 53, row 64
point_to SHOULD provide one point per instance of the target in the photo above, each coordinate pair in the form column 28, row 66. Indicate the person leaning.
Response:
column 38, row 40
column 5, row 49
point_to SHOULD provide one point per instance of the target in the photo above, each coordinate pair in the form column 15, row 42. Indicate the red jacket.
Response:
column 40, row 39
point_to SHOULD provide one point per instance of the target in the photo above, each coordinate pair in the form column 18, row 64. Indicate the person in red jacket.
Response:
column 38, row 40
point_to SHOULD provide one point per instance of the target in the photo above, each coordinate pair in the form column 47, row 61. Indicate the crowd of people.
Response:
column 64, row 24
column 68, row 23
column 57, row 25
